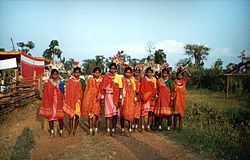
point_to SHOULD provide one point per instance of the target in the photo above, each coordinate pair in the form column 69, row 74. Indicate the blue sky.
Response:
column 88, row 28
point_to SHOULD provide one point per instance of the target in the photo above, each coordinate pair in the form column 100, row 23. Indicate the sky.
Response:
column 85, row 29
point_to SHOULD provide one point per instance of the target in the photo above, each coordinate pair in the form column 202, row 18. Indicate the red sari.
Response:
column 52, row 101
column 91, row 102
column 180, row 96
column 162, row 107
column 137, row 109
column 128, row 106
column 73, row 98
column 110, row 90
column 148, row 91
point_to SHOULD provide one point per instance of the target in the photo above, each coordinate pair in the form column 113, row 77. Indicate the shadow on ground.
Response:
column 23, row 145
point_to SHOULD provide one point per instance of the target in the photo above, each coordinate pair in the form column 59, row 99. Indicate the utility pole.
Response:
column 13, row 47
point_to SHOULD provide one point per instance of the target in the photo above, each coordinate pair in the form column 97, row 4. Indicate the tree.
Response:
column 218, row 64
column 160, row 57
column 67, row 64
column 25, row 47
column 198, row 52
column 185, row 62
column 99, row 61
column 141, row 61
column 242, row 54
column 134, row 62
column 89, row 64
column 107, row 63
column 53, row 50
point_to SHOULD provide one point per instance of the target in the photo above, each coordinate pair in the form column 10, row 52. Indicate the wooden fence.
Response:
column 20, row 93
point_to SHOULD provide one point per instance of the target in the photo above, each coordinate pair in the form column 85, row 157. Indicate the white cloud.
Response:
column 171, row 46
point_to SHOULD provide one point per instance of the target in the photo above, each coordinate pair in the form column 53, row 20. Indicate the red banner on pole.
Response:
column 30, row 64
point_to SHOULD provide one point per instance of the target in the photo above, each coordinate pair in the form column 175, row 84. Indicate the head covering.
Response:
column 180, row 69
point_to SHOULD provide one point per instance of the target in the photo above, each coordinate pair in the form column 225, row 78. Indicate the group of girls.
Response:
column 133, row 100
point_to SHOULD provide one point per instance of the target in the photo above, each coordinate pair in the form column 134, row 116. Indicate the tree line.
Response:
column 210, row 78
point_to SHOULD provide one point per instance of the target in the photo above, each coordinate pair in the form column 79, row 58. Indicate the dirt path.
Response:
column 24, row 135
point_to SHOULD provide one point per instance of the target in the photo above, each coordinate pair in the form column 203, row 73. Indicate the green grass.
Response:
column 216, row 126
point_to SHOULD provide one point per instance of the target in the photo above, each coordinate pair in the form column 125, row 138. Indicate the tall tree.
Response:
column 198, row 52
column 185, row 62
column 160, row 57
column 53, row 50
column 25, row 47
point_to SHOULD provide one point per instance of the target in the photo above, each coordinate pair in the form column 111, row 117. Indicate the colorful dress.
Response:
column 91, row 101
column 137, row 109
column 148, row 91
column 73, row 98
column 180, row 96
column 52, row 100
column 109, row 88
column 128, row 105
column 162, row 107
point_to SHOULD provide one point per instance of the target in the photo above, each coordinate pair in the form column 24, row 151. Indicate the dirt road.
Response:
column 25, row 136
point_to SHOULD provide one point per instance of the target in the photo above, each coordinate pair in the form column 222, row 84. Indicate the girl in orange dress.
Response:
column 52, row 102
column 92, row 101
column 129, row 99
column 148, row 96
column 73, row 99
column 163, row 106
column 137, row 109
column 180, row 96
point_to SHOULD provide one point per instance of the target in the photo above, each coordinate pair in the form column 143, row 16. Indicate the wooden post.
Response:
column 16, row 75
column 40, row 85
column 34, row 78
column 17, row 80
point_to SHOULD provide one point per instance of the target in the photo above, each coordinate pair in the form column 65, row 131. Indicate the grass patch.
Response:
column 216, row 126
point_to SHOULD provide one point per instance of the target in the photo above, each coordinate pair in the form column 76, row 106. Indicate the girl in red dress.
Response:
column 148, row 96
column 137, row 109
column 92, row 101
column 52, row 102
column 180, row 96
column 163, row 106
column 129, row 99
column 73, row 100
